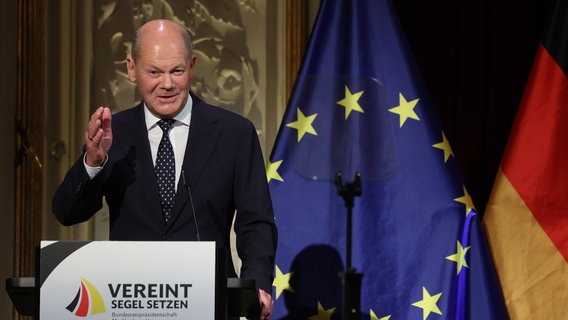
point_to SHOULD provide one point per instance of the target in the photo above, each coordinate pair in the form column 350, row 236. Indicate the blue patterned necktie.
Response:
column 166, row 169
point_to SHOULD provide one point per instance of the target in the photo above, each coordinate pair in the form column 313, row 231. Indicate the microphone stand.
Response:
column 350, row 279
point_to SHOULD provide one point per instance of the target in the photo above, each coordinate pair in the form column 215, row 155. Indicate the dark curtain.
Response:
column 475, row 58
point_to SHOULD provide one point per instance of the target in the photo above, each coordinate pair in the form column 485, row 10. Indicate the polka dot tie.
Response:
column 166, row 169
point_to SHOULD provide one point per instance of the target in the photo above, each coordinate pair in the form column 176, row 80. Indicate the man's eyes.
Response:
column 176, row 72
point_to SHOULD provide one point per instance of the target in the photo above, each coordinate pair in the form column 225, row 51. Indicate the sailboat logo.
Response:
column 87, row 301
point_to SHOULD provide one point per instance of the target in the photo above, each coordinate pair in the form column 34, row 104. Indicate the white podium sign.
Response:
column 123, row 280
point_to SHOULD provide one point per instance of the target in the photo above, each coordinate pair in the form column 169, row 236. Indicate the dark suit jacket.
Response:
column 224, row 169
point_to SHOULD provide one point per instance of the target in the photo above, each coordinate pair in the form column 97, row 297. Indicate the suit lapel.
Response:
column 203, row 137
column 136, row 137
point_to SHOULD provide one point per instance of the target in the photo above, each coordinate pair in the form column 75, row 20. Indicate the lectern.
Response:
column 129, row 280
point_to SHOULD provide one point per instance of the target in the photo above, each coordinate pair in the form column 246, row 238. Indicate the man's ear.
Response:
column 191, row 66
column 130, row 68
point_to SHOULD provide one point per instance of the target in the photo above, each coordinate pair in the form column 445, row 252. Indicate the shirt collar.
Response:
column 184, row 117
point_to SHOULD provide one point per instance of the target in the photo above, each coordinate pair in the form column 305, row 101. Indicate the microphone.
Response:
column 188, row 187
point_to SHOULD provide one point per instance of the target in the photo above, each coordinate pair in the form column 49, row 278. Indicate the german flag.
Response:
column 526, row 219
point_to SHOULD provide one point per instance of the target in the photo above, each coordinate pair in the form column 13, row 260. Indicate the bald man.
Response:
column 217, row 165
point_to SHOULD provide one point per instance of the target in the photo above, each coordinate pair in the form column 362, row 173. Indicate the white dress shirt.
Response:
column 178, row 135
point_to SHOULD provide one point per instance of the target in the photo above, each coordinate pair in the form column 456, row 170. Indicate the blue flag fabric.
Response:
column 358, row 105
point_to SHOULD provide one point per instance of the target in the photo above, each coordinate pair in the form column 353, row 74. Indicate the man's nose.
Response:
column 167, row 82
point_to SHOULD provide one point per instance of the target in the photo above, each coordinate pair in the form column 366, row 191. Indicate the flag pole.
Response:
column 350, row 279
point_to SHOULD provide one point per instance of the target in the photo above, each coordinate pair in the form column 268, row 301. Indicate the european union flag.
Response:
column 359, row 106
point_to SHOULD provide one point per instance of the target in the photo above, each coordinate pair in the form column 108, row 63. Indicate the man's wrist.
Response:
column 93, row 171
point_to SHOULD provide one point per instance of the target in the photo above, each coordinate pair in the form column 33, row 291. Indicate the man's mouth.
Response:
column 168, row 98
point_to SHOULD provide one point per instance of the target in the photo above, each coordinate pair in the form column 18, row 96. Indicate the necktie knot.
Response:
column 166, row 124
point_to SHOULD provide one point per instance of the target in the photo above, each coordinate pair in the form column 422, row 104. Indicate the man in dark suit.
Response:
column 217, row 158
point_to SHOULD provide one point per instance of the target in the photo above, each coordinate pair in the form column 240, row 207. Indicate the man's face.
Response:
column 162, row 71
